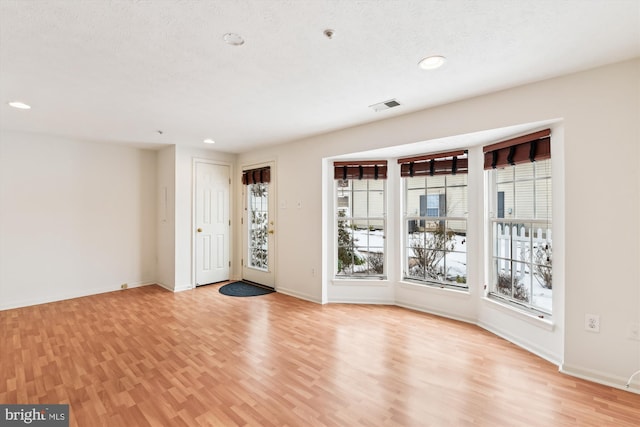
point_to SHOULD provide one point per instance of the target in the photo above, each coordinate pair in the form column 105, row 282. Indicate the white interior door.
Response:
column 259, row 228
column 212, row 223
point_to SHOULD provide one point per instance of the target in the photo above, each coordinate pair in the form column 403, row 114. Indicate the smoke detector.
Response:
column 385, row 105
column 233, row 39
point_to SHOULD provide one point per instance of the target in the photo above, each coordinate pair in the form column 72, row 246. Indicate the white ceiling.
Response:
column 121, row 70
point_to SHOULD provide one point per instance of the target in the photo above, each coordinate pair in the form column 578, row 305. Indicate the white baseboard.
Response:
column 141, row 284
column 373, row 301
column 180, row 288
column 167, row 287
column 44, row 299
column 601, row 378
column 183, row 287
column 523, row 343
column 435, row 312
column 299, row 295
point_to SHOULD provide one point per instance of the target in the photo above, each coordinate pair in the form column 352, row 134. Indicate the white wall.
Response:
column 166, row 249
column 184, row 228
column 602, row 133
column 298, row 175
column 79, row 218
column 595, row 266
column 76, row 218
column 175, row 230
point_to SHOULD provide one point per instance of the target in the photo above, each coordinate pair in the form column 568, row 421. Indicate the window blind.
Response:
column 365, row 169
column 256, row 176
column 523, row 149
column 448, row 163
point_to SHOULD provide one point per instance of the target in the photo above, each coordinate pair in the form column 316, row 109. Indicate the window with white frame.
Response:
column 435, row 218
column 521, row 221
column 360, row 218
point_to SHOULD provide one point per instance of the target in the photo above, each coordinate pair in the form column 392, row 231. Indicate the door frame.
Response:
column 194, row 161
column 273, row 205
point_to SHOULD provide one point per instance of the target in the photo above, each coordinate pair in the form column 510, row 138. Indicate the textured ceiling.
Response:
column 122, row 70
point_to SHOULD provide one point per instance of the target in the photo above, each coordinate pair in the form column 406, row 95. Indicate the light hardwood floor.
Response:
column 148, row 357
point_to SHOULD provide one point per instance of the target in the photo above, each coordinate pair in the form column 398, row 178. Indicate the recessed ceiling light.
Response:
column 20, row 105
column 233, row 39
column 432, row 62
column 209, row 141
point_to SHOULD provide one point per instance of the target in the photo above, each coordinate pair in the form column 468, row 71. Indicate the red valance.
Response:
column 447, row 163
column 255, row 176
column 365, row 169
column 527, row 148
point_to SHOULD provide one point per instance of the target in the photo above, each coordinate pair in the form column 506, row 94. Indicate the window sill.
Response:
column 434, row 288
column 360, row 281
column 529, row 317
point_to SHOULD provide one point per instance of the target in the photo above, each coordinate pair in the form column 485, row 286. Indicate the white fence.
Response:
column 519, row 242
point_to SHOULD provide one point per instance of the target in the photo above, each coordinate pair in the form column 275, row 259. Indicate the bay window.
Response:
column 435, row 218
column 360, row 218
column 521, row 221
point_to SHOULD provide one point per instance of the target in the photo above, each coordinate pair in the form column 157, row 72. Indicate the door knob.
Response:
column 199, row 230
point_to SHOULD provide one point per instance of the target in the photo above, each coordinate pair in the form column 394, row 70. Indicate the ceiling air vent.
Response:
column 385, row 105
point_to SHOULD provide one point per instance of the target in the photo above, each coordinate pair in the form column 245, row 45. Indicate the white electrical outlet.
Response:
column 592, row 322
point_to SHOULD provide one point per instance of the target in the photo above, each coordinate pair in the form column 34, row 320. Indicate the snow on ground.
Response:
column 373, row 241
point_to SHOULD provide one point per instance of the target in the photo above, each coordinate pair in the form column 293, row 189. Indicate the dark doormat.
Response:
column 244, row 289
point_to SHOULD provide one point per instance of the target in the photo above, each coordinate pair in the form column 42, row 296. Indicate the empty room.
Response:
column 320, row 213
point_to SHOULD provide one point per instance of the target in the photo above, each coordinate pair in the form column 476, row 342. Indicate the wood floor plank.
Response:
column 148, row 357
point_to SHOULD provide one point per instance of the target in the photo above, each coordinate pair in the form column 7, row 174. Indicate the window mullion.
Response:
column 432, row 251
column 359, row 253
column 529, row 288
